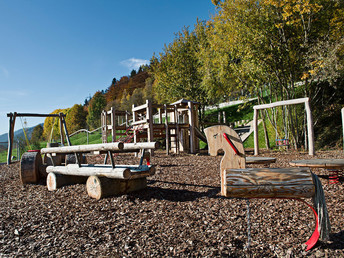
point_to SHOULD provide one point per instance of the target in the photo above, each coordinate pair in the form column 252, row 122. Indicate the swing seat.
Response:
column 282, row 142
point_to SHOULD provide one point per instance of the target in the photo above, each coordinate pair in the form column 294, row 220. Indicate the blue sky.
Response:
column 56, row 53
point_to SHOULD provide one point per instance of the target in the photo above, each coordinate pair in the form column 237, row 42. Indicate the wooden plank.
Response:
column 319, row 163
column 260, row 160
column 269, row 183
column 139, row 108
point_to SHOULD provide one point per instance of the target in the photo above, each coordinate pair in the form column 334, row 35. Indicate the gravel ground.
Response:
column 179, row 214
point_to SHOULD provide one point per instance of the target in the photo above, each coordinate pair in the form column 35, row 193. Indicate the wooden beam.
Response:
column 85, row 148
column 33, row 115
column 91, row 170
column 55, row 181
column 100, row 187
column 269, row 183
column 281, row 103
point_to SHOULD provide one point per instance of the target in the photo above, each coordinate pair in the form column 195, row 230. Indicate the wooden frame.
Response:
column 284, row 103
column 12, row 121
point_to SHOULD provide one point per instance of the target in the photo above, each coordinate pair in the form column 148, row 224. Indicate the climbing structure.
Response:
column 176, row 123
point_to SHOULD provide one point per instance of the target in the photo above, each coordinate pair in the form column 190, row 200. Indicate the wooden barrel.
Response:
column 269, row 183
column 30, row 164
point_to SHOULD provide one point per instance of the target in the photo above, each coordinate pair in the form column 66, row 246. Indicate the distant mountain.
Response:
column 18, row 134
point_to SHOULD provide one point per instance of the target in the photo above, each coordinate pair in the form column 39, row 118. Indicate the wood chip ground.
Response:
column 180, row 214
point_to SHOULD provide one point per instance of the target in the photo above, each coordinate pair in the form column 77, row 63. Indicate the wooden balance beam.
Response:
column 237, row 181
column 106, row 179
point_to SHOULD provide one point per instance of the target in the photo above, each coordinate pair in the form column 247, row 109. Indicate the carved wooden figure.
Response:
column 290, row 183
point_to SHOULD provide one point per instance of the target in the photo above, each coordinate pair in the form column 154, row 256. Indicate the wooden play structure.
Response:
column 285, row 142
column 118, row 126
column 13, row 116
column 176, row 123
column 237, row 181
column 101, row 180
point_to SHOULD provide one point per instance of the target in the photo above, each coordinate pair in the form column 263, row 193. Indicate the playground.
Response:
column 180, row 213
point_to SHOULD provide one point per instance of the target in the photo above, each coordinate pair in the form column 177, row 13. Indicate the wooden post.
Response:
column 309, row 128
column 255, row 132
column 167, row 133
column 149, row 117
column 134, row 120
column 177, row 132
column 113, row 124
column 191, row 127
column 104, row 126
column 61, row 115
column 343, row 125
column 11, row 136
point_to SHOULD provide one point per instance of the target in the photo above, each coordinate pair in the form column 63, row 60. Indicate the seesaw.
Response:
column 237, row 181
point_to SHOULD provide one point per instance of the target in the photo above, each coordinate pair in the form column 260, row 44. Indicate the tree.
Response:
column 76, row 118
column 51, row 127
column 37, row 133
column 96, row 106
column 133, row 73
column 176, row 71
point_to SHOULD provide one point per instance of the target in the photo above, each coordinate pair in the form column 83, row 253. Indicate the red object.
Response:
column 333, row 176
column 33, row 150
column 148, row 161
column 231, row 144
column 315, row 236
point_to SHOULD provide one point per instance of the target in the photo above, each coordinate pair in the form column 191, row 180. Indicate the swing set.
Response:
column 12, row 116
column 285, row 141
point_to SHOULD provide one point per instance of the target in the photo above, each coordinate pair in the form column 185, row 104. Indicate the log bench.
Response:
column 237, row 181
column 101, row 180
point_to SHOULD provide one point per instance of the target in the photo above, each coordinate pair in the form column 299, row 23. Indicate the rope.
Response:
column 27, row 140
column 52, row 130
column 321, row 208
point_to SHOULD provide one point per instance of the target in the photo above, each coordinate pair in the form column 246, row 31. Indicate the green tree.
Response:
column 95, row 108
column 76, row 118
column 37, row 133
column 176, row 71
column 51, row 127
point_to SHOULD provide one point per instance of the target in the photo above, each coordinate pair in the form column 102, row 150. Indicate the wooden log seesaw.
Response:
column 101, row 180
column 237, row 181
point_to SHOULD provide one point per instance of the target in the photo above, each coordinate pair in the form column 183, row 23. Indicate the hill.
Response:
column 18, row 134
